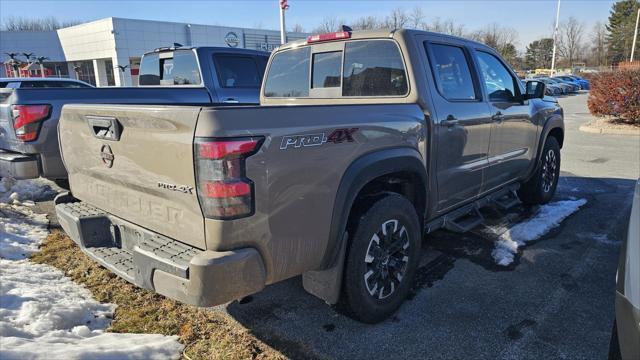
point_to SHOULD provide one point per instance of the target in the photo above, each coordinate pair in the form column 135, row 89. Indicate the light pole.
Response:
column 555, row 36
column 283, row 31
column 13, row 62
column 635, row 36
column 121, row 72
column 40, row 61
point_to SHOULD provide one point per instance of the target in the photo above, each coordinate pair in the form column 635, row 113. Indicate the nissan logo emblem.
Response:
column 231, row 39
column 106, row 155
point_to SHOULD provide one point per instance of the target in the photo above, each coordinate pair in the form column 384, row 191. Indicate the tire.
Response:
column 542, row 186
column 379, row 274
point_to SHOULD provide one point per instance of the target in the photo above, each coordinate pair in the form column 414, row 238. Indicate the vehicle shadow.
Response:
column 482, row 308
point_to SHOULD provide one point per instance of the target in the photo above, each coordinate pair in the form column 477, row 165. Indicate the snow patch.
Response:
column 25, row 192
column 45, row 315
column 546, row 217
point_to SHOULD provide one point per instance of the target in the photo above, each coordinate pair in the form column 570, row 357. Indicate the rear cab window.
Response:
column 173, row 68
column 238, row 71
column 355, row 68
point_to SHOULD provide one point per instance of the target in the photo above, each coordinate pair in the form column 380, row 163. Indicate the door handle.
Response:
column 450, row 121
column 230, row 101
column 497, row 117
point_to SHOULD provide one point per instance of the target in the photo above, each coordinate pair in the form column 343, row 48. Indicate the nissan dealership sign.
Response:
column 232, row 39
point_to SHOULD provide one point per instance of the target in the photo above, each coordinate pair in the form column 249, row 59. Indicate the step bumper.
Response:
column 155, row 262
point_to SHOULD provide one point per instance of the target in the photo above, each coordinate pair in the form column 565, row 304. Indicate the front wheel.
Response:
column 542, row 186
column 382, row 258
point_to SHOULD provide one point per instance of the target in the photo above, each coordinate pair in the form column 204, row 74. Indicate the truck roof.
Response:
column 211, row 48
column 384, row 33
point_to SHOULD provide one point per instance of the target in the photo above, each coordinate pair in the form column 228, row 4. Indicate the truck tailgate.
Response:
column 136, row 162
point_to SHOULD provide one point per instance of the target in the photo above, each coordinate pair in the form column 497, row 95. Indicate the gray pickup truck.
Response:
column 203, row 75
column 363, row 143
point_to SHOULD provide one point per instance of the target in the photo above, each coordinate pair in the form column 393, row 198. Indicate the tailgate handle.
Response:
column 107, row 128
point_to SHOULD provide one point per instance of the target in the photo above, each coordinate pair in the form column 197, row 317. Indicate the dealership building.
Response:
column 107, row 52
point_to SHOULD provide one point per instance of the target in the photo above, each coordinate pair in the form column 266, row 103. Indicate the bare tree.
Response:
column 367, row 23
column 416, row 18
column 329, row 24
column 570, row 39
column 496, row 36
column 599, row 41
column 398, row 19
column 50, row 23
column 297, row 28
column 445, row 26
column 501, row 38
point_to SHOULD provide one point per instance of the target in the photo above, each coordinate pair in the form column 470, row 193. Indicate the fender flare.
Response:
column 358, row 174
column 326, row 282
column 555, row 121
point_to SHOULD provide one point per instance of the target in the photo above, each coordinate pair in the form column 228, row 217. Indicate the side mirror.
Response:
column 534, row 90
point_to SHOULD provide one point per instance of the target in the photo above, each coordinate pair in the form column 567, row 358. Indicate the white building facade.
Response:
column 107, row 52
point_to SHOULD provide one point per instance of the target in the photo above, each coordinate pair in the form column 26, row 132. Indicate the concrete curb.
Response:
column 605, row 131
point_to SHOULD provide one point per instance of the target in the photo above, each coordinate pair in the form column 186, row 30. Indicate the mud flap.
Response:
column 326, row 284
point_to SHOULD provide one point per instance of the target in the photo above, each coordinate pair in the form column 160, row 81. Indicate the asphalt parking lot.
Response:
column 555, row 301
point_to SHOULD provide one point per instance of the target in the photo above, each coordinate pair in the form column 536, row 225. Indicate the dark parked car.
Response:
column 203, row 75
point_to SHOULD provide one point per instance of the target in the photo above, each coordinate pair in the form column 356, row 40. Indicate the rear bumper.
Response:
column 18, row 166
column 155, row 262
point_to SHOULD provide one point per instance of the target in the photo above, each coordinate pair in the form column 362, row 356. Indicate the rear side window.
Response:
column 451, row 71
column 326, row 69
column 289, row 74
column 373, row 68
column 238, row 71
column 149, row 70
column 180, row 69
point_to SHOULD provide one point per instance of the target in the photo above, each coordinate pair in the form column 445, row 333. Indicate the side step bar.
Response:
column 468, row 216
column 464, row 223
column 508, row 201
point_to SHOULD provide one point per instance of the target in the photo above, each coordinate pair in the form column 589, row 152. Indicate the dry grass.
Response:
column 206, row 334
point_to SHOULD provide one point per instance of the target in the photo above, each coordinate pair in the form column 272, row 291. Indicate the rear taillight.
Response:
column 223, row 188
column 328, row 37
column 27, row 120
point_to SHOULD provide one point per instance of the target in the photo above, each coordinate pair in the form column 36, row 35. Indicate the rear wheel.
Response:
column 382, row 258
column 542, row 186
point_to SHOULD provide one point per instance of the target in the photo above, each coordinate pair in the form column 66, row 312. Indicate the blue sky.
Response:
column 532, row 19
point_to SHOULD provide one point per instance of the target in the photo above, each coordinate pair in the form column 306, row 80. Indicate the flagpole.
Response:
column 635, row 36
column 283, row 35
column 555, row 36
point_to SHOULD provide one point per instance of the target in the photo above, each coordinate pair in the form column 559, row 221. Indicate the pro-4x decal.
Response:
column 337, row 136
